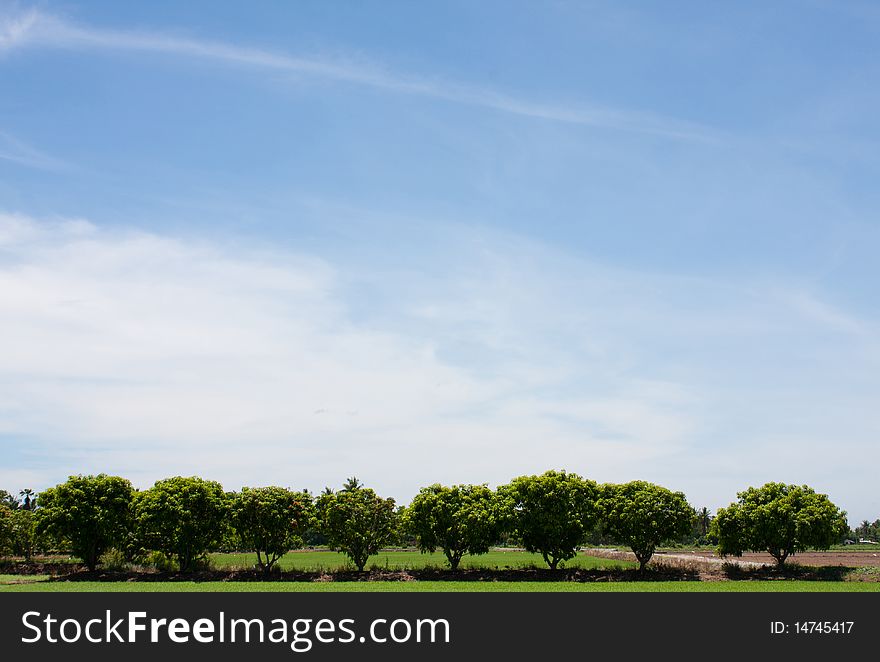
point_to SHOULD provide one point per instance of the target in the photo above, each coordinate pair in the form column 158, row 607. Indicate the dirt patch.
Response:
column 703, row 568
column 809, row 566
column 815, row 559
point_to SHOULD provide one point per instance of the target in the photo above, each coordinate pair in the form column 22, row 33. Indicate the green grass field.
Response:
column 411, row 560
column 432, row 586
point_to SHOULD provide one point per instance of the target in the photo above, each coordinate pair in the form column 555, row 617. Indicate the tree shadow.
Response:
column 649, row 574
column 827, row 573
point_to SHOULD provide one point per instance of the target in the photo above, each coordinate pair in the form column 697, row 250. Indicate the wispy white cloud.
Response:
column 37, row 29
column 17, row 151
column 15, row 30
column 822, row 313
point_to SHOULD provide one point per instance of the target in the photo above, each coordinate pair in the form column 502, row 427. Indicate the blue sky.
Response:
column 290, row 242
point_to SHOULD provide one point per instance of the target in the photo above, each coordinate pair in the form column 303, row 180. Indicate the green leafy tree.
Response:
column 462, row 519
column 9, row 500
column 702, row 523
column 183, row 518
column 550, row 514
column 20, row 536
column 271, row 521
column 779, row 519
column 231, row 541
column 7, row 529
column 25, row 536
column 642, row 516
column 91, row 512
column 356, row 521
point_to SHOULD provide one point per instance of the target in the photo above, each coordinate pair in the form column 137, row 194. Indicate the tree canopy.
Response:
column 92, row 512
column 462, row 519
column 7, row 529
column 780, row 519
column 550, row 514
column 643, row 516
column 356, row 521
column 271, row 521
column 183, row 518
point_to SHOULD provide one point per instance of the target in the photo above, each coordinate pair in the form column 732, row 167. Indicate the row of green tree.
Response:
column 867, row 531
column 552, row 514
column 18, row 533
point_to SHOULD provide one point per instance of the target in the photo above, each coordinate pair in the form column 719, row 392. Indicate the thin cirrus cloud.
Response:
column 16, row 151
column 37, row 29
column 150, row 355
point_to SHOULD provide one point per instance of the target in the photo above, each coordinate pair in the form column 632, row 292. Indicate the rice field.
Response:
column 497, row 559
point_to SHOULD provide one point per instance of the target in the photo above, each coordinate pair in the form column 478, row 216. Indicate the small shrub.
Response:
column 159, row 561
column 114, row 560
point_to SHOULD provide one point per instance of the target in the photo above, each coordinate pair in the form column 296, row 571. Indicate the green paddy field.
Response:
column 412, row 560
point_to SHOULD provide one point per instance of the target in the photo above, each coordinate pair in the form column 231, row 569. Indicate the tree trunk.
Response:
column 454, row 559
column 91, row 558
column 643, row 559
column 184, row 561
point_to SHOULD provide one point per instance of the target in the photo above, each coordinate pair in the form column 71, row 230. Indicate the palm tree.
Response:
column 704, row 519
column 28, row 503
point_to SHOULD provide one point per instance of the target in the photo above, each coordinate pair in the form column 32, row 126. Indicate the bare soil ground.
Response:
column 815, row 559
column 832, row 565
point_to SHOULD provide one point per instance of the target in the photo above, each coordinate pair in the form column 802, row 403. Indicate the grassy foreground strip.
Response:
column 452, row 586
